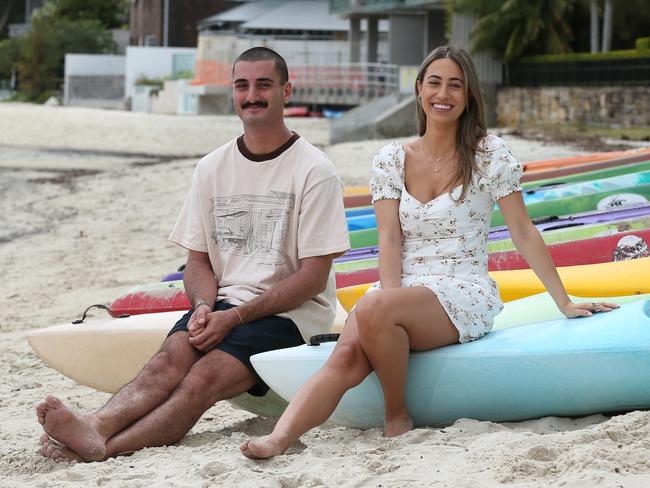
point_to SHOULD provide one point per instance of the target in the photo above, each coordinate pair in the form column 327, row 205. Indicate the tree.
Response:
column 109, row 13
column 608, row 14
column 513, row 28
column 593, row 26
column 42, row 50
column 9, row 50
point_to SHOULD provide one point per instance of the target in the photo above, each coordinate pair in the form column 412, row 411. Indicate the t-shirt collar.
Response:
column 258, row 158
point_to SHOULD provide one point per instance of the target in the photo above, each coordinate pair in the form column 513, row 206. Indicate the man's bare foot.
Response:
column 262, row 448
column 397, row 426
column 73, row 430
column 58, row 452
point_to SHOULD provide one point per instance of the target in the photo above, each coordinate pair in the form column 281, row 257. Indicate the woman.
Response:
column 433, row 200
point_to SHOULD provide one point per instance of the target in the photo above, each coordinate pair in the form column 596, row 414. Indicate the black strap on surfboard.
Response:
column 317, row 340
column 545, row 220
column 102, row 307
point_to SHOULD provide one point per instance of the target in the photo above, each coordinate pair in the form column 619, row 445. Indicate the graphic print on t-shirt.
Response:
column 253, row 225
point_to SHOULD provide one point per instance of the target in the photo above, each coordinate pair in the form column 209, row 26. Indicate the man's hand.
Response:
column 207, row 329
column 198, row 318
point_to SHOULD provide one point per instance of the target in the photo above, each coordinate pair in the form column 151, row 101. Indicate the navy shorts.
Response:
column 265, row 334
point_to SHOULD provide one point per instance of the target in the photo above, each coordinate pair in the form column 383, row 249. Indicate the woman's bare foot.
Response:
column 262, row 448
column 74, row 431
column 396, row 426
column 58, row 452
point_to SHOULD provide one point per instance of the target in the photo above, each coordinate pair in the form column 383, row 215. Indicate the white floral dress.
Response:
column 445, row 242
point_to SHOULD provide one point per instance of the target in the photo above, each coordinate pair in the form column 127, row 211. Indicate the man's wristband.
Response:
column 202, row 302
column 241, row 321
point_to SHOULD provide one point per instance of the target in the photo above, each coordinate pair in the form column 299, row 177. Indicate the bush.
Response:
column 9, row 51
column 42, row 51
column 574, row 57
column 643, row 44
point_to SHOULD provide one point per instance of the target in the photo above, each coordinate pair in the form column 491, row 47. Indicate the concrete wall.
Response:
column 384, row 118
column 613, row 106
column 407, row 39
column 151, row 62
column 94, row 80
column 488, row 67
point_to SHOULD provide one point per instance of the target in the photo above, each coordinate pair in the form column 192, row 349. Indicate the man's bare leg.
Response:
column 216, row 376
column 317, row 398
column 86, row 434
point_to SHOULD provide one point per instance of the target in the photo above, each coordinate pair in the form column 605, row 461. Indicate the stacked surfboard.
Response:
column 594, row 216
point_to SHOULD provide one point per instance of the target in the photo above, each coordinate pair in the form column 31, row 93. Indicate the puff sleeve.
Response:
column 387, row 177
column 503, row 170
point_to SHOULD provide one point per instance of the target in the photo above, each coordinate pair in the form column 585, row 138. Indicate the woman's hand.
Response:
column 587, row 309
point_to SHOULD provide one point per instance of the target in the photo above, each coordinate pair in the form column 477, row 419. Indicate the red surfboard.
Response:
column 618, row 247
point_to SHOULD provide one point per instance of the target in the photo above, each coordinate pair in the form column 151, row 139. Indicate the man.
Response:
column 262, row 223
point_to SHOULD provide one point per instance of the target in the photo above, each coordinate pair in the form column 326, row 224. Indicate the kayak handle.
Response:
column 317, row 340
column 102, row 307
column 563, row 226
column 544, row 220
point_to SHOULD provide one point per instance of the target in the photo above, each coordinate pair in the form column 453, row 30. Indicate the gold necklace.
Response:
column 439, row 160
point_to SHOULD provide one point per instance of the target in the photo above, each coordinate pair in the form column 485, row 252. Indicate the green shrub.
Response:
column 9, row 51
column 643, row 44
column 43, row 50
column 575, row 57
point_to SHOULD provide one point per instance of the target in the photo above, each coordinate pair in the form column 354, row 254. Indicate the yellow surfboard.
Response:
column 589, row 280
column 356, row 190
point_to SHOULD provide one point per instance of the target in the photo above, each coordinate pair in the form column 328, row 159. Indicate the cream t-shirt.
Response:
column 257, row 216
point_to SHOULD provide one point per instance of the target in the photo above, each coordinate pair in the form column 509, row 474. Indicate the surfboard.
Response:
column 589, row 280
column 106, row 354
column 541, row 308
column 605, row 249
column 556, row 368
column 588, row 175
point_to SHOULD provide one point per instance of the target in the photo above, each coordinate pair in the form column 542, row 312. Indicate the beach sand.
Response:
column 87, row 200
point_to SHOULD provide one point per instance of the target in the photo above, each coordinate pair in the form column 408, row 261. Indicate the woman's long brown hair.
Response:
column 471, row 124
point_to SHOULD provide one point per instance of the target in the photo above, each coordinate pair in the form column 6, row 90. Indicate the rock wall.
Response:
column 612, row 106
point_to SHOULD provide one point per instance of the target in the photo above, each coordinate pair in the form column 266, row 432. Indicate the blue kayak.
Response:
column 565, row 368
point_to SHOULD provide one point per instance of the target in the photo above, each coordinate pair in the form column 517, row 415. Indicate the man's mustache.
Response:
column 260, row 104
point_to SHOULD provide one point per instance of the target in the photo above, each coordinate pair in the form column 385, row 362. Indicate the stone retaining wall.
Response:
column 613, row 106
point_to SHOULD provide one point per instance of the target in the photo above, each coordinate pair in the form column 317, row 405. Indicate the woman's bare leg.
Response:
column 316, row 399
column 390, row 322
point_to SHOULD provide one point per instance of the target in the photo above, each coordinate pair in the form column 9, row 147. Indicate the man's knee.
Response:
column 163, row 371
column 168, row 367
column 217, row 376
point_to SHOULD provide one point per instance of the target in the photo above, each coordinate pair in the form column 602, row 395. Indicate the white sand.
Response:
column 66, row 242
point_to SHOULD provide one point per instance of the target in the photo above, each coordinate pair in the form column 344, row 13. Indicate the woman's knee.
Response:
column 348, row 361
column 372, row 312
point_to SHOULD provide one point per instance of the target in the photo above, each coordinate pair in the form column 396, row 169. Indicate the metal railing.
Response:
column 351, row 6
column 345, row 84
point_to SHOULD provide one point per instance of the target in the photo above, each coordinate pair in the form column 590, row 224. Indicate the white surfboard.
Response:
column 108, row 353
